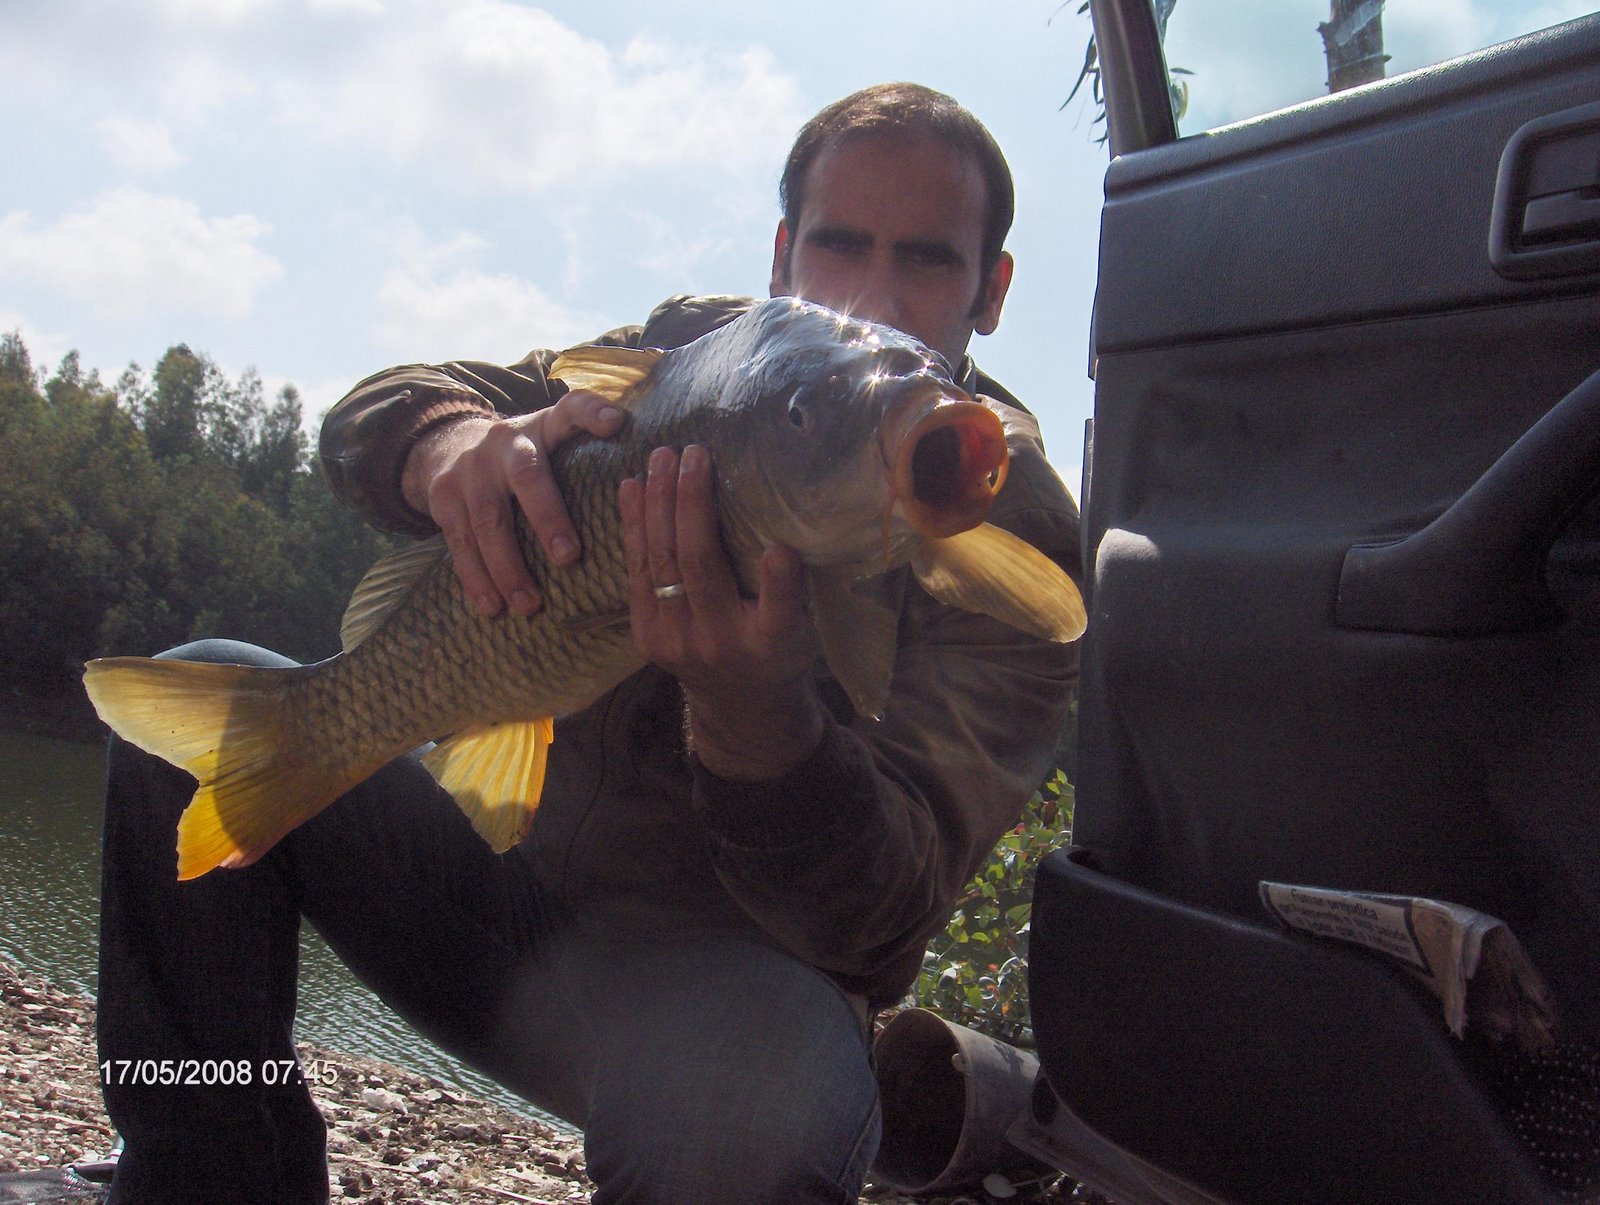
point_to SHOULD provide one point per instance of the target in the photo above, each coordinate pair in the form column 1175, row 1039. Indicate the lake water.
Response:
column 50, row 813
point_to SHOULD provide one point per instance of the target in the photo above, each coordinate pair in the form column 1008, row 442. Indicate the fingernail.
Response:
column 608, row 414
column 694, row 459
column 563, row 550
column 487, row 604
column 523, row 602
column 659, row 459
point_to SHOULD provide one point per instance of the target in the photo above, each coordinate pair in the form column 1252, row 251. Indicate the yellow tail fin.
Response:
column 221, row 724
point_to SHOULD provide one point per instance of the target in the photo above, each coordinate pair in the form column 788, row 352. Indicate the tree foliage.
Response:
column 137, row 516
column 975, row 973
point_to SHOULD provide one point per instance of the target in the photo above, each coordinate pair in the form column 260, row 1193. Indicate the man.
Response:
column 729, row 871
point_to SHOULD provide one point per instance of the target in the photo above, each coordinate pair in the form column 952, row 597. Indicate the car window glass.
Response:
column 1237, row 59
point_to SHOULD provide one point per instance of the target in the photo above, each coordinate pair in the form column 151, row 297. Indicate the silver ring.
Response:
column 676, row 590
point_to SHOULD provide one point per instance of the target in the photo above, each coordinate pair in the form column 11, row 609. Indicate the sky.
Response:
column 319, row 189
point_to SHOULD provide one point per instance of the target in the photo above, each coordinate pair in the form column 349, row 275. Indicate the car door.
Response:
column 1344, row 625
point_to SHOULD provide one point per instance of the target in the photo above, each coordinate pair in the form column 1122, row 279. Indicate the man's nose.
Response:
column 880, row 297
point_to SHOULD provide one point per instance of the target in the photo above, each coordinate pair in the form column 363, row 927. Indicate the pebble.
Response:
column 383, row 1100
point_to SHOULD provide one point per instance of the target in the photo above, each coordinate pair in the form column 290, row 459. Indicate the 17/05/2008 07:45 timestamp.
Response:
column 211, row 1072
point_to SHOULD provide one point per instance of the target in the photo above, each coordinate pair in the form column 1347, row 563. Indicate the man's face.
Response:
column 892, row 230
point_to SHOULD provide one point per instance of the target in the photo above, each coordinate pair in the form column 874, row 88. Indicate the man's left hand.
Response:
column 744, row 663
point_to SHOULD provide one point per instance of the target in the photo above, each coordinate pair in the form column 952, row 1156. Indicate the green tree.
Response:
column 137, row 517
column 16, row 368
column 171, row 412
column 75, row 471
column 280, row 451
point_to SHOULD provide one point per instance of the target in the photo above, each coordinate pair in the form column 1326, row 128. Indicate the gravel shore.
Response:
column 394, row 1137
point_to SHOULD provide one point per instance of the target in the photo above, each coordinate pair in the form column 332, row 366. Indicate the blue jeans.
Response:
column 700, row 1070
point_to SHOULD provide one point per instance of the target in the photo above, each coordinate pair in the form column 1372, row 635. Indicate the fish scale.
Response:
column 492, row 669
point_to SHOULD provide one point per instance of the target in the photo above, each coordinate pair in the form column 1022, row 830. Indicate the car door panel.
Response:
column 1304, row 346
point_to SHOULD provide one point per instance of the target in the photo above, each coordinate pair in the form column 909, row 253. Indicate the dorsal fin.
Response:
column 609, row 371
column 385, row 585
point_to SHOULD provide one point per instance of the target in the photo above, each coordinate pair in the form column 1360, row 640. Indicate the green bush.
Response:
column 975, row 973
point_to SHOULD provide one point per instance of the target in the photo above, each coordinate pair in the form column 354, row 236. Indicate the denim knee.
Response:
column 727, row 1071
column 708, row 1151
column 228, row 652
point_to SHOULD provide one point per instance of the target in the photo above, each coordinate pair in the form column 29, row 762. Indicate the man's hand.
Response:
column 465, row 474
column 744, row 663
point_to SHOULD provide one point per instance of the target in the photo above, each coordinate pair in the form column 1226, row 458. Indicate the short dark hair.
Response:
column 903, row 110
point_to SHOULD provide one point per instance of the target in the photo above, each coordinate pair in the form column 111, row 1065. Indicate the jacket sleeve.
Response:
column 368, row 434
column 857, row 856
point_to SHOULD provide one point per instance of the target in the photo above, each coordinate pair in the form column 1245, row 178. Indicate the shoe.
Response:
column 61, row 1184
column 82, row 1183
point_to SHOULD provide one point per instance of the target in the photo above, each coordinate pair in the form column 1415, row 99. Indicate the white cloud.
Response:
column 211, row 12
column 439, row 302
column 503, row 96
column 669, row 248
column 131, row 249
column 364, row 8
column 491, row 95
column 138, row 146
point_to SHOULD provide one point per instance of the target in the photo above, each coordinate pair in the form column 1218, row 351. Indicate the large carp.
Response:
column 844, row 440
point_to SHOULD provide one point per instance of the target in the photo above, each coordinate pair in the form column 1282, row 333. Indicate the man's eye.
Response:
column 839, row 244
column 930, row 257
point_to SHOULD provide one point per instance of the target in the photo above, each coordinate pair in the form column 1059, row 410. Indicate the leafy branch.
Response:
column 1090, row 71
column 976, row 972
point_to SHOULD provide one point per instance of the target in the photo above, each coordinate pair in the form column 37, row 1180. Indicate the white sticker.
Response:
column 1381, row 923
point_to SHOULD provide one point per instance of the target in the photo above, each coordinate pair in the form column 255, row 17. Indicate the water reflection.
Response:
column 50, row 793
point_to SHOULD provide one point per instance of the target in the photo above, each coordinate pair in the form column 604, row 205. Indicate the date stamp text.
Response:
column 211, row 1072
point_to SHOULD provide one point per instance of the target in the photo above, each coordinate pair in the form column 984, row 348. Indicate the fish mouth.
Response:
column 947, row 460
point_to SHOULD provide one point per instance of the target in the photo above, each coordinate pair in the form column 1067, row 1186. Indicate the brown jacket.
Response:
column 853, row 859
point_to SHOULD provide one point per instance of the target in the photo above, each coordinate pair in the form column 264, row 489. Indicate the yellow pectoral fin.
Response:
column 992, row 572
column 495, row 772
column 858, row 634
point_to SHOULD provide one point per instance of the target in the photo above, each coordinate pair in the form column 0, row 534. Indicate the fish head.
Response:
column 862, row 441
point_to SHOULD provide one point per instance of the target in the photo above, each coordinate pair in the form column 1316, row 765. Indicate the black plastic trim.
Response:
column 1479, row 567
column 1133, row 73
column 1511, row 254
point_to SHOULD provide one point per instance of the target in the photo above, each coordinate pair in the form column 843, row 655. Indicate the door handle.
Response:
column 1574, row 214
column 1478, row 569
column 1546, row 215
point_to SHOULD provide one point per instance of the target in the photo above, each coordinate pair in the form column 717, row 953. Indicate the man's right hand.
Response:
column 464, row 475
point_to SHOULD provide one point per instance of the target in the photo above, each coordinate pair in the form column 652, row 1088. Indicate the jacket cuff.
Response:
column 833, row 786
column 373, row 446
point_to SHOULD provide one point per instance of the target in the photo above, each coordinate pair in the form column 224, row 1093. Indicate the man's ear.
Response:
column 778, row 285
column 993, row 295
